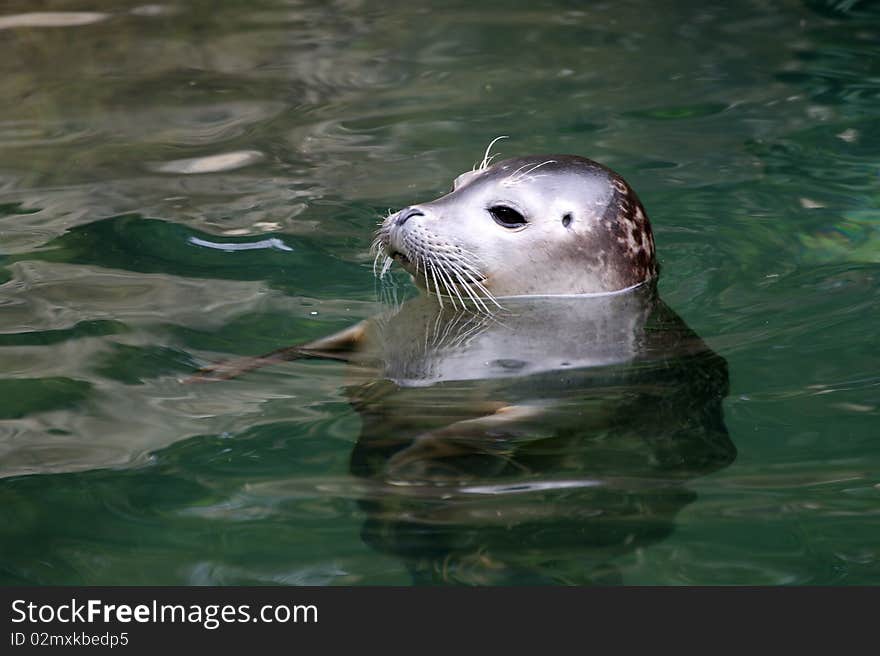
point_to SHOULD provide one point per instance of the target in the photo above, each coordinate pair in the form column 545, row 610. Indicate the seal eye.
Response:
column 507, row 217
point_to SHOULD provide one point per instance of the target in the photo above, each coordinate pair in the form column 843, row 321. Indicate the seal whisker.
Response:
column 470, row 272
column 452, row 287
column 514, row 174
column 454, row 284
column 452, row 265
column 466, row 255
column 460, row 273
column 456, row 287
column 486, row 158
column 473, row 272
column 488, row 294
column 425, row 273
column 519, row 174
column 436, row 287
column 444, row 287
column 385, row 266
column 481, row 305
column 442, row 276
column 537, row 166
column 462, row 283
column 376, row 264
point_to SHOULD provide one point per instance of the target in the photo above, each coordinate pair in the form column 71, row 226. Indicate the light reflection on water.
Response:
column 750, row 133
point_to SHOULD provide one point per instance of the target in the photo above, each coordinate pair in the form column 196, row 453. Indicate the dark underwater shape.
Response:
column 536, row 446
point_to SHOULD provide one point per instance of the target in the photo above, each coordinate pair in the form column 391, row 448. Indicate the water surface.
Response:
column 184, row 183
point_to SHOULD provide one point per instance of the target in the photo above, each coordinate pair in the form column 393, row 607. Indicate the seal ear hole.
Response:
column 566, row 219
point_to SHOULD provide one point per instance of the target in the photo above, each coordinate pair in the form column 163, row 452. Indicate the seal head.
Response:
column 537, row 225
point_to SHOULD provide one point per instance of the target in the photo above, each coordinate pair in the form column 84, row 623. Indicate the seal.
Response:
column 540, row 398
column 537, row 225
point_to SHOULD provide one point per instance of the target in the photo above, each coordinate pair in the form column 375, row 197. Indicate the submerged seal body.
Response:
column 535, row 445
column 537, row 225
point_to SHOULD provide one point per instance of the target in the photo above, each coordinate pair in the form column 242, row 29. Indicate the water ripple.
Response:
column 52, row 19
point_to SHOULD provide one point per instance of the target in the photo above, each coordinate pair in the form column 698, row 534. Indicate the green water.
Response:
column 750, row 130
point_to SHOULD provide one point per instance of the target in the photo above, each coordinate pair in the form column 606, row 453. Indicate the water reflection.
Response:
column 536, row 446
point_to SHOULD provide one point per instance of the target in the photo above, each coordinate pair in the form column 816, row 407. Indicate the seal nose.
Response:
column 406, row 214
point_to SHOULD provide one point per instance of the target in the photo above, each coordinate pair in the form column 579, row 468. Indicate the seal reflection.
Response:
column 536, row 445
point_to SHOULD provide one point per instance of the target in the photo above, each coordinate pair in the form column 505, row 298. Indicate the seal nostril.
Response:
column 406, row 214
